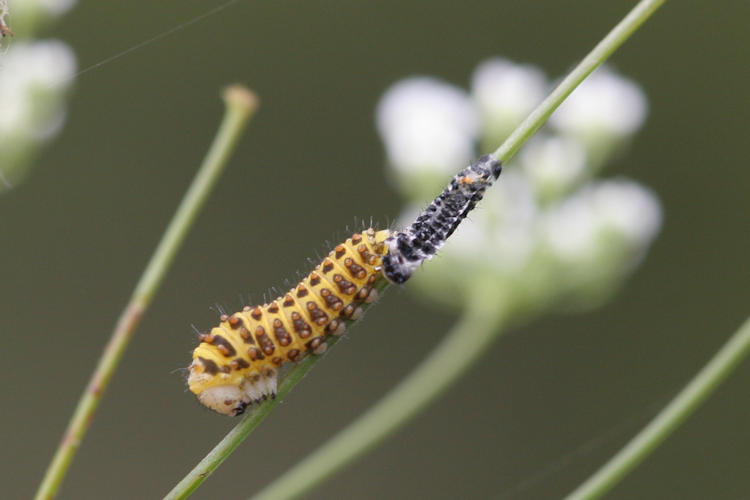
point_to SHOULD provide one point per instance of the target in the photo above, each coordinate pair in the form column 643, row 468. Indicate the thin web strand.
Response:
column 583, row 449
column 164, row 34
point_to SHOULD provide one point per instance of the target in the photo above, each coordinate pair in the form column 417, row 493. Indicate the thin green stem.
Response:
column 240, row 105
column 616, row 37
column 670, row 418
column 467, row 341
column 238, row 434
column 439, row 370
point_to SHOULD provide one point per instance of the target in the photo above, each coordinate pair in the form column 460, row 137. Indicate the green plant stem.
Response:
column 238, row 434
column 616, row 37
column 240, row 105
column 468, row 340
column 670, row 418
column 367, row 431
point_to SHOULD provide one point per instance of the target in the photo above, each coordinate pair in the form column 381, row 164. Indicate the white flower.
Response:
column 427, row 124
column 32, row 79
column 584, row 225
column 23, row 10
column 570, row 229
column 630, row 209
column 604, row 104
column 554, row 164
column 54, row 7
column 505, row 93
column 530, row 241
column 3, row 12
column 28, row 17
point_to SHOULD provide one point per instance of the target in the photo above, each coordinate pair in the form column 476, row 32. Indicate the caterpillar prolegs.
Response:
column 236, row 364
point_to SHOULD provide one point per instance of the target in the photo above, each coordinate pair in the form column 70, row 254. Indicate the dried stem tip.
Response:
column 240, row 97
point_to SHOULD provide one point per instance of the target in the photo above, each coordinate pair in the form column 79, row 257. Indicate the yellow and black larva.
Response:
column 236, row 364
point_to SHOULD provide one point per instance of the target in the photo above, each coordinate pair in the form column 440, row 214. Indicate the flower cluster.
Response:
column 4, row 30
column 34, row 78
column 549, row 231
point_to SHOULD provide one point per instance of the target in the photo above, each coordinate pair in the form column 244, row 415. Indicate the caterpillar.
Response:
column 237, row 363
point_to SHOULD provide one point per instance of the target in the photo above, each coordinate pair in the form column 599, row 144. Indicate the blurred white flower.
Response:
column 597, row 236
column 619, row 209
column 3, row 15
column 603, row 111
column 504, row 93
column 33, row 80
column 537, row 238
column 570, row 229
column 30, row 16
column 554, row 165
column 52, row 7
column 605, row 100
column 628, row 208
column 27, row 14
column 32, row 77
column 426, row 125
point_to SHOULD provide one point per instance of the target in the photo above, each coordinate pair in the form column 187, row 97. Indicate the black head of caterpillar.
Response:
column 237, row 362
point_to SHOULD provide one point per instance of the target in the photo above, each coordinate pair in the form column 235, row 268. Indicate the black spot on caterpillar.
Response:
column 236, row 364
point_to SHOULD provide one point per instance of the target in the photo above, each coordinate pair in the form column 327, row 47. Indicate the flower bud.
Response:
column 33, row 82
column 555, row 165
column 428, row 128
column 29, row 16
column 598, row 234
column 603, row 112
column 504, row 93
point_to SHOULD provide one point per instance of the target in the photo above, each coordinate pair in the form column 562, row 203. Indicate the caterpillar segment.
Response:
column 236, row 364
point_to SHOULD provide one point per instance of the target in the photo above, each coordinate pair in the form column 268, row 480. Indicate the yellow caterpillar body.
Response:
column 237, row 362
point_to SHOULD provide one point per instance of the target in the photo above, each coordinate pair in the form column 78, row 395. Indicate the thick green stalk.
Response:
column 670, row 418
column 240, row 105
column 465, row 343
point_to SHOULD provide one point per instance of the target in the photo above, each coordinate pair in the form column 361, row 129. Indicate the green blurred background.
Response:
column 548, row 404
